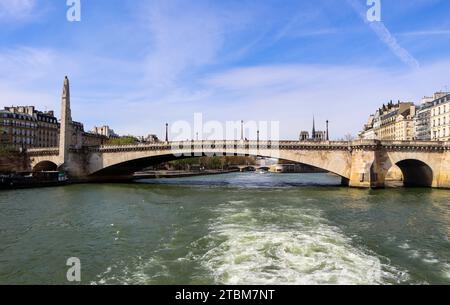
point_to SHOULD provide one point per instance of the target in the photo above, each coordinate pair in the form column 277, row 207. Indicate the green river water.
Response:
column 239, row 228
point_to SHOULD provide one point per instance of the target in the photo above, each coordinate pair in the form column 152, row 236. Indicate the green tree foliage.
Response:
column 5, row 147
column 240, row 160
column 211, row 162
column 126, row 140
column 184, row 164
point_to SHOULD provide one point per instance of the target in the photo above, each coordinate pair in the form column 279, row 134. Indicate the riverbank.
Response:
column 26, row 180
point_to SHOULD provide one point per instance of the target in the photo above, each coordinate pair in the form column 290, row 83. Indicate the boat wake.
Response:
column 300, row 249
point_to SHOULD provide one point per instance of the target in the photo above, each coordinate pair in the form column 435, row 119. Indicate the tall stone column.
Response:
column 65, row 134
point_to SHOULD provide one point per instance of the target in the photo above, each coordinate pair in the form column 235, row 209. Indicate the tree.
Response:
column 126, row 140
column 348, row 137
column 184, row 164
column 5, row 147
column 215, row 162
column 240, row 160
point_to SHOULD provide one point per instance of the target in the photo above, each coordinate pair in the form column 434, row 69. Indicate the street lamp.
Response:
column 167, row 132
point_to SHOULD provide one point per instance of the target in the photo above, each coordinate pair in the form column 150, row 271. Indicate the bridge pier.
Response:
column 442, row 178
column 367, row 168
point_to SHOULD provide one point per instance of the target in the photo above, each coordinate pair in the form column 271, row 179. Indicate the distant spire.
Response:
column 313, row 135
column 167, row 132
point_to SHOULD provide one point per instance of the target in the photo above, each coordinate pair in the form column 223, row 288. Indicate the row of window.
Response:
column 25, row 124
column 49, row 133
column 441, row 109
column 46, row 125
column 444, row 132
column 47, row 119
column 16, row 116
column 28, row 141
column 20, row 132
column 439, row 122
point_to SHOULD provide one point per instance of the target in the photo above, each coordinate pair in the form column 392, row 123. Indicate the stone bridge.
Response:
column 363, row 163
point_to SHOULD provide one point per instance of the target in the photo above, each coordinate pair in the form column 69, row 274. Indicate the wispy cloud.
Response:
column 426, row 33
column 29, row 76
column 25, row 64
column 182, row 38
column 16, row 9
column 182, row 57
column 385, row 36
column 345, row 95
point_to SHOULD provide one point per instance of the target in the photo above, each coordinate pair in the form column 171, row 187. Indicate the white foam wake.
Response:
column 302, row 250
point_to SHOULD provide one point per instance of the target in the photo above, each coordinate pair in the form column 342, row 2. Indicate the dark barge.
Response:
column 32, row 179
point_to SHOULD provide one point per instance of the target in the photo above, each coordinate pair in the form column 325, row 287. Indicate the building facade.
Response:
column 18, row 129
column 440, row 117
column 392, row 122
column 46, row 132
column 404, row 128
column 48, row 129
column 304, row 136
column 26, row 127
column 422, row 120
column 151, row 138
column 92, row 139
column 368, row 132
column 81, row 138
column 104, row 131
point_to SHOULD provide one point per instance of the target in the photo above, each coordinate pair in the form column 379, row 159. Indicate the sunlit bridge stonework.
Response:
column 363, row 163
column 359, row 163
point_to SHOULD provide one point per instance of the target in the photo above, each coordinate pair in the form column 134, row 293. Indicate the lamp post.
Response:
column 328, row 135
column 167, row 132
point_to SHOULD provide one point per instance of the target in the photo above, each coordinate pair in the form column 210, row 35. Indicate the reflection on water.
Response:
column 240, row 228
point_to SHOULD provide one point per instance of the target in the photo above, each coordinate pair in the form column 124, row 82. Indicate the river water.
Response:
column 239, row 228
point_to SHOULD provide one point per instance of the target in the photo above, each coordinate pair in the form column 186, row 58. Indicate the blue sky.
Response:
column 135, row 64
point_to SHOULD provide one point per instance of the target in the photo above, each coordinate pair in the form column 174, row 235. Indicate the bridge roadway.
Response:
column 362, row 163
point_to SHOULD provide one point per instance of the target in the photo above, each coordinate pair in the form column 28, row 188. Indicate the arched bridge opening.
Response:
column 415, row 173
column 45, row 166
column 126, row 169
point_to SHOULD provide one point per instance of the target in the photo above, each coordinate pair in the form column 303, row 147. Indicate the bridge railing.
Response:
column 253, row 144
column 44, row 151
column 414, row 143
column 224, row 144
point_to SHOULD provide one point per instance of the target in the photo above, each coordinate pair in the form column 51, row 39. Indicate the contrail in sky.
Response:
column 385, row 35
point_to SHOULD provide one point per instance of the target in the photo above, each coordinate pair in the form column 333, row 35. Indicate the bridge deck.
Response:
column 282, row 145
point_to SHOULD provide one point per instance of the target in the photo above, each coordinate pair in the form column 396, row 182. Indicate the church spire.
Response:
column 313, row 134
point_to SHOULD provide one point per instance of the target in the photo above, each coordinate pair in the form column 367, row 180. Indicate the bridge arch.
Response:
column 418, row 169
column 416, row 173
column 44, row 166
column 250, row 168
column 111, row 165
